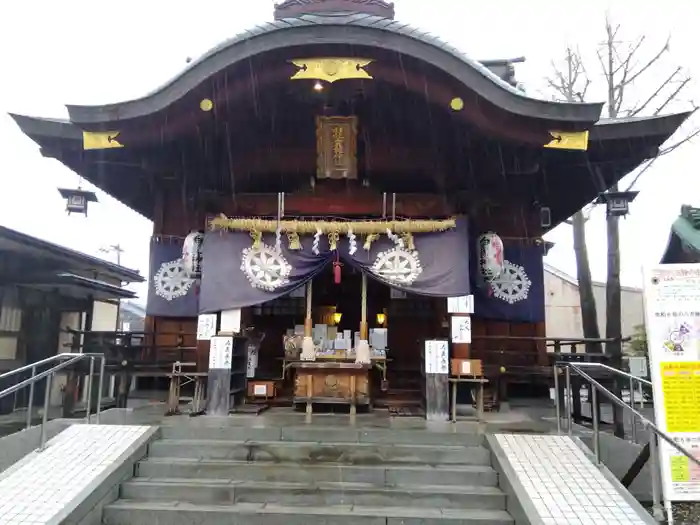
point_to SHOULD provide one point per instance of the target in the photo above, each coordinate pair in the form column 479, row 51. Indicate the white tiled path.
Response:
column 564, row 484
column 35, row 490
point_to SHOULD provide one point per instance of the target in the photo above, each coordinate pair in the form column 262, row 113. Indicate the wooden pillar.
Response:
column 362, row 351
column 308, row 351
column 436, row 368
column 219, row 378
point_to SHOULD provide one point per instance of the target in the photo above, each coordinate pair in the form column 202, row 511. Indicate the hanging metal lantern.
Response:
column 77, row 200
column 192, row 254
column 490, row 250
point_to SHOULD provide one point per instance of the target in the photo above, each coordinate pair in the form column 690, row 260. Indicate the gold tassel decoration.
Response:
column 294, row 242
column 333, row 238
column 257, row 239
column 408, row 240
column 369, row 240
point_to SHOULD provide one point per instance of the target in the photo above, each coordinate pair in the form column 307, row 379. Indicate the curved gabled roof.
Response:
column 344, row 28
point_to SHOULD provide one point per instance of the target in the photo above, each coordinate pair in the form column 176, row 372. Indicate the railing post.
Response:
column 30, row 403
column 632, row 416
column 91, row 372
column 557, row 408
column 100, row 385
column 657, row 509
column 45, row 415
column 568, row 398
column 596, row 423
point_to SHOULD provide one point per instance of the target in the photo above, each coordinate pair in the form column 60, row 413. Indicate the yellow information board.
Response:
column 680, row 382
column 680, row 469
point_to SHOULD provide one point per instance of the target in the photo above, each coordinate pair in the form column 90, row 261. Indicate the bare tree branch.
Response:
column 650, row 63
column 672, row 97
column 661, row 153
column 643, row 106
column 673, row 147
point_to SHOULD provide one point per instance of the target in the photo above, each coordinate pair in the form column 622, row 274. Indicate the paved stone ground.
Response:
column 566, row 488
column 39, row 488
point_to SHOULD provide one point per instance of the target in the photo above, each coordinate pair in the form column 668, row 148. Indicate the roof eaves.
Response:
column 511, row 98
column 120, row 272
column 79, row 280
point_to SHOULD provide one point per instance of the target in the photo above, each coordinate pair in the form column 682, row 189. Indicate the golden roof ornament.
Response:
column 295, row 8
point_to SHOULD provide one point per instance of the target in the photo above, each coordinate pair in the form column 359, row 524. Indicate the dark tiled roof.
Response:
column 72, row 257
column 363, row 29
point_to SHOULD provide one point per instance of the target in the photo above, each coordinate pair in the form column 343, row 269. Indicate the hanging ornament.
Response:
column 337, row 265
column 257, row 238
column 317, row 240
column 394, row 238
column 294, row 242
column 278, row 240
column 369, row 240
column 333, row 238
column 265, row 268
column 192, row 254
column 490, row 250
column 171, row 281
column 352, row 238
column 409, row 241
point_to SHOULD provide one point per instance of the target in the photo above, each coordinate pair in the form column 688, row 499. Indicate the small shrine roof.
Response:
column 684, row 240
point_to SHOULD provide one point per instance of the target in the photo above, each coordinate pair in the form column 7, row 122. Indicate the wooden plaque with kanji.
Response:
column 336, row 142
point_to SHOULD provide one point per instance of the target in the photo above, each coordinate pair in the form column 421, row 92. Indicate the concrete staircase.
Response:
column 310, row 475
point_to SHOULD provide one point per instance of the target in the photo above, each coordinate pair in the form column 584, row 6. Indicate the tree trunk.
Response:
column 589, row 315
column 613, row 302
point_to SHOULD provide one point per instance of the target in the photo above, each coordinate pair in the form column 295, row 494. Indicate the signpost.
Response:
column 672, row 304
column 436, row 386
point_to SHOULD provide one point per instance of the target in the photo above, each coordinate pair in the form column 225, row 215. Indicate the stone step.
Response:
column 226, row 492
column 460, row 434
column 312, row 452
column 378, row 475
column 126, row 512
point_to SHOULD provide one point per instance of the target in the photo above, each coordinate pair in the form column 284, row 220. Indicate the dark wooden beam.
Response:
column 355, row 201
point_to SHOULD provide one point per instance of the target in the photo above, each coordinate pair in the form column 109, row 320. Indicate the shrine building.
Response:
column 344, row 205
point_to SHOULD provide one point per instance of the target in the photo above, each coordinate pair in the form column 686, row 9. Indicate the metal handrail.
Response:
column 646, row 423
column 621, row 373
column 68, row 359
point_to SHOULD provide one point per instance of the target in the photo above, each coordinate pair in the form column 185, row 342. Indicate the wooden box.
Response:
column 467, row 367
column 264, row 389
column 329, row 382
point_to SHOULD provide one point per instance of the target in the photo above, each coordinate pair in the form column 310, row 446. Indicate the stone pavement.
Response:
column 565, row 486
column 45, row 486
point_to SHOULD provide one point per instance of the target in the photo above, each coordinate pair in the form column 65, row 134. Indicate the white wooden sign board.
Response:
column 460, row 305
column 461, row 329
column 206, row 327
column 672, row 304
column 231, row 321
column 436, row 357
column 220, row 352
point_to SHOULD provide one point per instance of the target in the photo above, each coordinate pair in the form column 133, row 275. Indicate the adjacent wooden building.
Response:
column 46, row 290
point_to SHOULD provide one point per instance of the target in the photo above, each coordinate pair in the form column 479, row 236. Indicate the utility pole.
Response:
column 114, row 248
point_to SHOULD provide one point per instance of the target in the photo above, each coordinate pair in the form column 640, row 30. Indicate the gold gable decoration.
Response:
column 331, row 69
column 571, row 140
column 101, row 140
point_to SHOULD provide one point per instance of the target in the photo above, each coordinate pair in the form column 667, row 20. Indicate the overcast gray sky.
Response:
column 87, row 52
